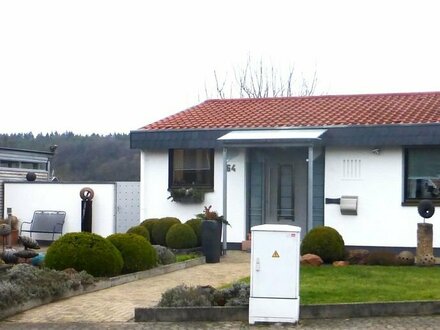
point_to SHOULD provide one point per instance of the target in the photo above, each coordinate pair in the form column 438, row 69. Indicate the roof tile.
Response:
column 310, row 111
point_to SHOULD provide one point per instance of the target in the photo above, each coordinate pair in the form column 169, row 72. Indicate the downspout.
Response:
column 310, row 190
column 225, row 195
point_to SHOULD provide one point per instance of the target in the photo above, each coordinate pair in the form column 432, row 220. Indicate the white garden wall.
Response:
column 154, row 191
column 377, row 179
column 24, row 198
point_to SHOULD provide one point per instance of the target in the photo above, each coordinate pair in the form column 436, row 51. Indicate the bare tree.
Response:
column 258, row 81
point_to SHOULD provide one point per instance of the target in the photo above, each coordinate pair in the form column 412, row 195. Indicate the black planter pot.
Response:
column 211, row 240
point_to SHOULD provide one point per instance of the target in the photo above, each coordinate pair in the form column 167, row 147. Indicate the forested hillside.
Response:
column 83, row 158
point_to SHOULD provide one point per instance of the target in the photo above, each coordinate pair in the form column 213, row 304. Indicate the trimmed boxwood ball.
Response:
column 181, row 236
column 84, row 251
column 149, row 223
column 160, row 229
column 138, row 254
column 140, row 230
column 196, row 225
column 325, row 242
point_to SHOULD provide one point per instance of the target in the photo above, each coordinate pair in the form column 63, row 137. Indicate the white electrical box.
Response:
column 274, row 288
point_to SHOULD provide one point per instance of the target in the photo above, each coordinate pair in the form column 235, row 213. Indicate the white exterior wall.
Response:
column 154, row 191
column 25, row 198
column 378, row 182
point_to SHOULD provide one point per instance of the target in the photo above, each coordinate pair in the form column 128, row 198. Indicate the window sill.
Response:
column 416, row 202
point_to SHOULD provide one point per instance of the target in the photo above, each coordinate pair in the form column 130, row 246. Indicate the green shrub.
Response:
column 181, row 236
column 160, row 229
column 381, row 258
column 186, row 296
column 149, row 223
column 84, row 251
column 164, row 255
column 325, row 242
column 138, row 254
column 196, row 225
column 139, row 230
column 23, row 282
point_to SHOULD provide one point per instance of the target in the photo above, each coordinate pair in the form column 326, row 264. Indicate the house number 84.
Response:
column 230, row 167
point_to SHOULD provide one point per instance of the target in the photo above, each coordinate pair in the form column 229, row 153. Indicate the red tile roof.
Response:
column 311, row 111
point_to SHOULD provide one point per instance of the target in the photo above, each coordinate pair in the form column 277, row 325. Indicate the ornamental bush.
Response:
column 139, row 230
column 138, row 254
column 196, row 225
column 84, row 251
column 325, row 242
column 181, row 236
column 149, row 223
column 160, row 229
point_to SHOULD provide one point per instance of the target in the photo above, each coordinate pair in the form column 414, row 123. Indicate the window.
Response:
column 191, row 167
column 422, row 174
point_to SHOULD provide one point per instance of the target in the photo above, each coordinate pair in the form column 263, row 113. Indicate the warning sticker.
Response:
column 275, row 254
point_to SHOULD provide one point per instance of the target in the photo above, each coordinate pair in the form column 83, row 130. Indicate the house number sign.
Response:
column 230, row 167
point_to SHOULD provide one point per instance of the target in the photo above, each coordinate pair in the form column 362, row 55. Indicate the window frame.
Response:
column 414, row 201
column 204, row 187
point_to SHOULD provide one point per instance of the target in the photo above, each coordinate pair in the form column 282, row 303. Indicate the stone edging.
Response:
column 104, row 284
column 240, row 313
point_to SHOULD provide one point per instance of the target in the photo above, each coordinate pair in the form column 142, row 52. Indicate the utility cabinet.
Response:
column 274, row 291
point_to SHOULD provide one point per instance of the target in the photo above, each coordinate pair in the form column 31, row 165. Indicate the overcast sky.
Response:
column 104, row 66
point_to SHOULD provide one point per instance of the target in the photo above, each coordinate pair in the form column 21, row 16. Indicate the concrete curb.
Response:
column 103, row 284
column 240, row 313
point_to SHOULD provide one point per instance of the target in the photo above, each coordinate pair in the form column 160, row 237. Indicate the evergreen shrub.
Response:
column 138, row 254
column 139, row 230
column 196, row 225
column 84, row 251
column 160, row 229
column 181, row 236
column 149, row 223
column 325, row 242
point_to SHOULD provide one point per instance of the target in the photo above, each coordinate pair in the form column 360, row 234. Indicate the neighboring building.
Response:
column 288, row 160
column 16, row 163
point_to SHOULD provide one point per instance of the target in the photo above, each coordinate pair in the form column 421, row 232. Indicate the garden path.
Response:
column 117, row 304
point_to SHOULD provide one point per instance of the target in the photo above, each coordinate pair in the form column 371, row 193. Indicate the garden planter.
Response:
column 211, row 240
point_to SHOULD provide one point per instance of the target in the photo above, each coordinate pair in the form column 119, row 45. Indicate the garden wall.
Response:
column 115, row 205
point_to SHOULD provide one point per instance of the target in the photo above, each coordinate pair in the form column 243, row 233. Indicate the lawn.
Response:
column 327, row 284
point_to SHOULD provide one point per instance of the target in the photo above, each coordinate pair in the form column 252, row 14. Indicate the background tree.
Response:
column 83, row 158
column 258, row 80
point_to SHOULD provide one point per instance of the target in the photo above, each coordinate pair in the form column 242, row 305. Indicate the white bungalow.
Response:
column 358, row 163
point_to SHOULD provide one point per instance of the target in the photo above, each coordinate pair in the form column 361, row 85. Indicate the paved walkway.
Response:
column 117, row 304
column 114, row 308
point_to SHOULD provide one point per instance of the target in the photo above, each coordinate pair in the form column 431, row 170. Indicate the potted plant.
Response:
column 186, row 195
column 212, row 226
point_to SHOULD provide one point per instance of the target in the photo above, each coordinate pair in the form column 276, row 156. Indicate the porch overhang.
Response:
column 273, row 137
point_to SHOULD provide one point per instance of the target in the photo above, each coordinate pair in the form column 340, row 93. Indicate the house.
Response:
column 15, row 164
column 358, row 163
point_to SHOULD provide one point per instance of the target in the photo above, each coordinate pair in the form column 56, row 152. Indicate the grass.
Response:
column 327, row 284
column 185, row 257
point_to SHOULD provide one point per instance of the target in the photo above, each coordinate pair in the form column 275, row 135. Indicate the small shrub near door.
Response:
column 325, row 242
column 138, row 254
column 181, row 236
column 84, row 251
column 160, row 229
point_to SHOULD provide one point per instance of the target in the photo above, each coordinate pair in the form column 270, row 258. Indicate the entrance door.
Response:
column 279, row 192
column 278, row 186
